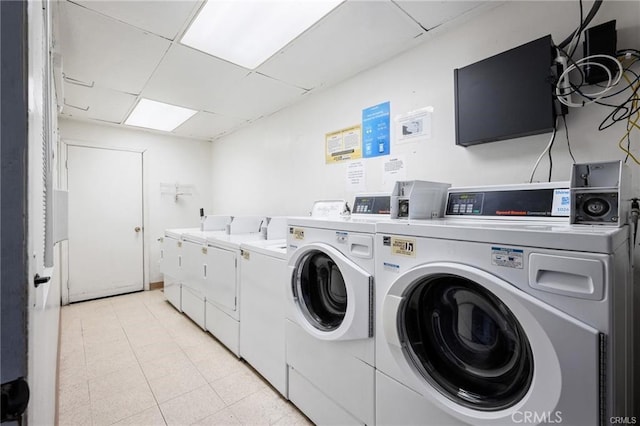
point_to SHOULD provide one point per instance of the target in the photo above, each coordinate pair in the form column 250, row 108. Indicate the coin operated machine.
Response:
column 599, row 194
column 417, row 199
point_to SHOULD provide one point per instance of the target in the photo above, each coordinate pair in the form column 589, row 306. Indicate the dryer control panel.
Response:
column 372, row 204
column 525, row 201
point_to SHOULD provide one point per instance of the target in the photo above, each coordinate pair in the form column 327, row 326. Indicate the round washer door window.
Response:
column 322, row 294
column 466, row 343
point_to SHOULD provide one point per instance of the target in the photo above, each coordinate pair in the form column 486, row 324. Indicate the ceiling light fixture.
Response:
column 158, row 115
column 248, row 32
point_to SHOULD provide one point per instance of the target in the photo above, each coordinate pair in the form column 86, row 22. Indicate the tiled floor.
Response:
column 135, row 360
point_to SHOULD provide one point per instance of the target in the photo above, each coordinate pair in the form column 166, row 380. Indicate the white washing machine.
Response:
column 171, row 264
column 194, row 244
column 329, row 326
column 222, row 277
column 263, row 281
column 487, row 323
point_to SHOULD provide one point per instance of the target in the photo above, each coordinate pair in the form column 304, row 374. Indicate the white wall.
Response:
column 166, row 159
column 277, row 166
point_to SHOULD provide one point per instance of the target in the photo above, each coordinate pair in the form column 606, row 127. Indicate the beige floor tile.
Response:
column 71, row 398
column 264, row 406
column 70, row 374
column 149, row 417
column 220, row 366
column 98, row 349
column 192, row 407
column 117, row 383
column 148, row 335
column 295, row 418
column 121, row 405
column 106, row 365
column 237, row 386
column 136, row 360
column 223, row 417
column 154, row 351
column 168, row 364
column 80, row 416
column 211, row 349
column 180, row 382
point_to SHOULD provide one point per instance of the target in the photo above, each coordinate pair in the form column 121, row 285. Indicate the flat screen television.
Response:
column 506, row 96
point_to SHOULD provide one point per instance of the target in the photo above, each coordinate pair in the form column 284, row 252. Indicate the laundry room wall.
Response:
column 167, row 161
column 277, row 165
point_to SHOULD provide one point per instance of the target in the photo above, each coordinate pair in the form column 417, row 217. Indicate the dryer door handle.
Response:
column 390, row 309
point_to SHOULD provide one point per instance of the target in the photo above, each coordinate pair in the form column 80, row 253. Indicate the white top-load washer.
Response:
column 330, row 317
column 263, row 278
column 222, row 278
column 172, row 255
column 170, row 265
column 193, row 243
column 490, row 323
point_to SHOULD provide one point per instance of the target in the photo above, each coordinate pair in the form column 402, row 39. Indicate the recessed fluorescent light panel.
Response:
column 248, row 32
column 158, row 115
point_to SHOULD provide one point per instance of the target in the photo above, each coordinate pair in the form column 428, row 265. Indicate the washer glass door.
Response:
column 322, row 291
column 466, row 342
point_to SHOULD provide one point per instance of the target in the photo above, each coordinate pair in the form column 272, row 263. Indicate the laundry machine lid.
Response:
column 332, row 294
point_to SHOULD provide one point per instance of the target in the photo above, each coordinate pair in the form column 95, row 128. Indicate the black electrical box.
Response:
column 600, row 40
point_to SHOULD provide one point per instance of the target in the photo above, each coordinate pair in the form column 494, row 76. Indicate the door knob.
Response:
column 137, row 229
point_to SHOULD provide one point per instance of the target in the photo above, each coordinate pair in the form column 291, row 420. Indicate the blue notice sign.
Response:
column 375, row 130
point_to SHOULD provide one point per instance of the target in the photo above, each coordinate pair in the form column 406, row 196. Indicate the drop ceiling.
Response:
column 109, row 54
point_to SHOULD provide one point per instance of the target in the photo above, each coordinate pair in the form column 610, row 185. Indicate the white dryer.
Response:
column 263, row 282
column 490, row 323
column 171, row 264
column 222, row 278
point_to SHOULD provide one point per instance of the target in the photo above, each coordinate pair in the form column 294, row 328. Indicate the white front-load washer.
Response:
column 489, row 323
column 221, row 275
column 329, row 325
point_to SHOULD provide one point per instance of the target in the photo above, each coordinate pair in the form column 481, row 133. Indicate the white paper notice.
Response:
column 355, row 177
column 393, row 170
column 415, row 125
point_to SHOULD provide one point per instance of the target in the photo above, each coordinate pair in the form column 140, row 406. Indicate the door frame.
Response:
column 65, row 143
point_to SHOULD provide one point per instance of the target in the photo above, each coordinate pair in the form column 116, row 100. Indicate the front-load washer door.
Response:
column 487, row 352
column 332, row 295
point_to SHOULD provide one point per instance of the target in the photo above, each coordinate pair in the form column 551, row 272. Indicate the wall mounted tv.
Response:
column 506, row 96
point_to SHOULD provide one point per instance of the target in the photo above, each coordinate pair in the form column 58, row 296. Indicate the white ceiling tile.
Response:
column 207, row 125
column 99, row 103
column 257, row 95
column 430, row 14
column 353, row 37
column 164, row 17
column 192, row 79
column 109, row 53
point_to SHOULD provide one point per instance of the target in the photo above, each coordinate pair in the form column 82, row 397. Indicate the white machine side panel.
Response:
column 396, row 404
column 223, row 327
column 221, row 277
column 316, row 405
column 346, row 379
column 173, row 292
column 193, row 306
column 192, row 267
column 263, row 280
column 170, row 263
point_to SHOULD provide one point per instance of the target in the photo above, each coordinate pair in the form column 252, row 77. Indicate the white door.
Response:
column 105, row 222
